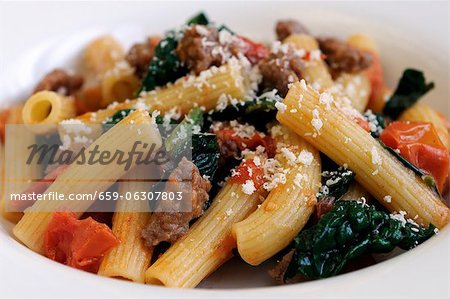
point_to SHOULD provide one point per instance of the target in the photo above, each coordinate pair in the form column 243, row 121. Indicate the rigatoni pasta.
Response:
column 131, row 257
column 287, row 208
column 47, row 108
column 357, row 88
column 315, row 72
column 102, row 54
column 228, row 81
column 118, row 84
column 346, row 143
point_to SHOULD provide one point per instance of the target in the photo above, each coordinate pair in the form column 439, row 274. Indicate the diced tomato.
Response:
column 255, row 52
column 420, row 144
column 257, row 139
column 402, row 132
column 362, row 123
column 78, row 243
column 248, row 170
column 376, row 78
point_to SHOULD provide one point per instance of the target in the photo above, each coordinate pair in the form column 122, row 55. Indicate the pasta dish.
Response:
column 294, row 151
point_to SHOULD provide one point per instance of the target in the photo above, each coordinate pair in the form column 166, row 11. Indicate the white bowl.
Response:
column 37, row 37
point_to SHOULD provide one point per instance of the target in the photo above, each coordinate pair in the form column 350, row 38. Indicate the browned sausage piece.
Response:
column 170, row 226
column 140, row 55
column 281, row 68
column 341, row 57
column 60, row 81
column 284, row 28
column 196, row 49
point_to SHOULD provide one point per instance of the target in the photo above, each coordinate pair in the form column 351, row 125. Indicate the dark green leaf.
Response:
column 200, row 19
column 337, row 182
column 117, row 117
column 165, row 66
column 205, row 153
column 348, row 231
column 411, row 87
column 257, row 112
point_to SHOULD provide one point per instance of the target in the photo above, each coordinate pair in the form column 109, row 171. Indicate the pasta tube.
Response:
column 379, row 92
column 204, row 90
column 287, row 208
column 363, row 42
column 330, row 131
column 357, row 88
column 102, row 54
column 209, row 242
column 31, row 228
column 131, row 257
column 47, row 108
column 14, row 117
column 119, row 84
column 315, row 72
column 424, row 113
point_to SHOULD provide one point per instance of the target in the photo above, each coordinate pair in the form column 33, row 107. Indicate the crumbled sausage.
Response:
column 196, row 48
column 342, row 57
column 169, row 225
column 140, row 55
column 280, row 69
column 60, row 81
column 284, row 28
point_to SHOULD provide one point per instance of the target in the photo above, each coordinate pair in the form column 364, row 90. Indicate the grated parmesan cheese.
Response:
column 280, row 106
column 248, row 187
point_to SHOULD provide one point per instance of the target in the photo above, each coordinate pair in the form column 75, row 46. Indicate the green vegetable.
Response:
column 165, row 66
column 199, row 19
column 177, row 143
column 427, row 178
column 257, row 112
column 349, row 230
column 205, row 153
column 117, row 117
column 338, row 182
column 224, row 27
column 411, row 87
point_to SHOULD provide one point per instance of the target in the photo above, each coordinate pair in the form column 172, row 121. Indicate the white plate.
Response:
column 35, row 38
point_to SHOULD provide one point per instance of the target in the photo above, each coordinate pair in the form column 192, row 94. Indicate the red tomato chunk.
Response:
column 78, row 243
column 419, row 143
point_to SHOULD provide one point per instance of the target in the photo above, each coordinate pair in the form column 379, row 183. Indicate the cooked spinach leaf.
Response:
column 205, row 153
column 117, row 117
column 349, row 230
column 335, row 183
column 411, row 87
column 199, row 19
column 257, row 112
column 165, row 66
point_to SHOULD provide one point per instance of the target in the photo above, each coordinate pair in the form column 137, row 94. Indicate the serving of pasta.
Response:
column 295, row 151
